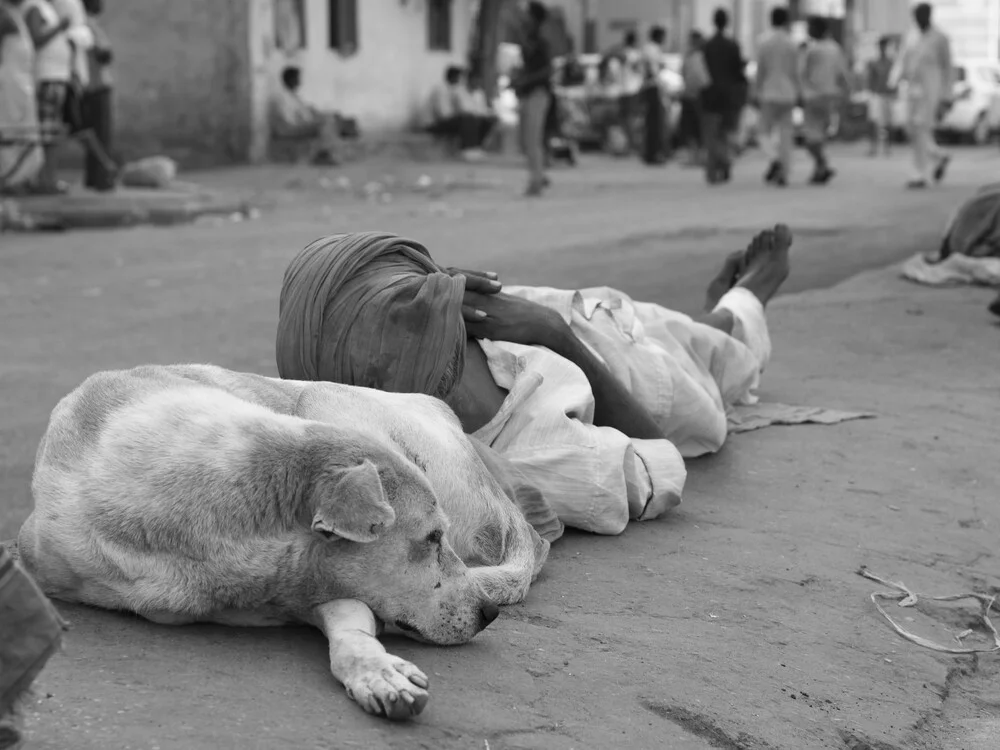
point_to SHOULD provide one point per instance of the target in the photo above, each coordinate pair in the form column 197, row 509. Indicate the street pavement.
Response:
column 737, row 622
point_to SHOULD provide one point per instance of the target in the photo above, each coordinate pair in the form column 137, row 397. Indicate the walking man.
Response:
column 825, row 81
column 655, row 137
column 533, row 86
column 881, row 96
column 776, row 91
column 722, row 99
column 925, row 67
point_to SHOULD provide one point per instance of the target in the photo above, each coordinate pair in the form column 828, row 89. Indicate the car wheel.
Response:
column 981, row 131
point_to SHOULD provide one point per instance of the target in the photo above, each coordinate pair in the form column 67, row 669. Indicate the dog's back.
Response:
column 139, row 503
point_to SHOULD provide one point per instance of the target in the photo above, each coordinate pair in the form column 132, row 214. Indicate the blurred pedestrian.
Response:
column 630, row 61
column 722, row 100
column 99, row 170
column 825, row 81
column 694, row 72
column 654, row 147
column 926, row 68
column 53, row 73
column 533, row 86
column 298, row 128
column 20, row 149
column 881, row 98
column 776, row 91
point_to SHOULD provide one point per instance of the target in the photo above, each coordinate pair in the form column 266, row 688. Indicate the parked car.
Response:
column 975, row 112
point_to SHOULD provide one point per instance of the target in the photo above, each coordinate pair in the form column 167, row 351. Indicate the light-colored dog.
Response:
column 195, row 494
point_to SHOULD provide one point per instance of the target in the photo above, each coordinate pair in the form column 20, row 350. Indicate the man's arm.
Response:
column 502, row 317
column 614, row 406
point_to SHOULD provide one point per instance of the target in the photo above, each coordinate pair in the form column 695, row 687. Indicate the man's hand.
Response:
column 503, row 317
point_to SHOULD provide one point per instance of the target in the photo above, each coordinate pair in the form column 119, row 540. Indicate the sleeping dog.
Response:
column 194, row 494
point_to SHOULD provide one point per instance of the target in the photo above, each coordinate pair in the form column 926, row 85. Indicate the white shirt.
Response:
column 631, row 73
column 686, row 373
column 54, row 61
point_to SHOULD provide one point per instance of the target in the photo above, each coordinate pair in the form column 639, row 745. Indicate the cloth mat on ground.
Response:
column 746, row 418
column 955, row 270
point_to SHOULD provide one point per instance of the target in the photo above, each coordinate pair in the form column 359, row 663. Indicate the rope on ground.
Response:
column 907, row 598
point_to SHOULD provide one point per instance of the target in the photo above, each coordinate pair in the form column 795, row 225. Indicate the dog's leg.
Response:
column 380, row 683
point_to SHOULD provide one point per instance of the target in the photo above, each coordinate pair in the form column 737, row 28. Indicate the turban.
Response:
column 370, row 309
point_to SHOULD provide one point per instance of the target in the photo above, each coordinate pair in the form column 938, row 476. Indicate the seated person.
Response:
column 300, row 127
column 592, row 396
column 455, row 112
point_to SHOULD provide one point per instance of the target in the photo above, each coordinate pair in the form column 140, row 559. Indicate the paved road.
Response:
column 736, row 623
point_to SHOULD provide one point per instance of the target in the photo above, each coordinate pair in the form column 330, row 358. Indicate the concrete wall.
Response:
column 181, row 83
column 386, row 84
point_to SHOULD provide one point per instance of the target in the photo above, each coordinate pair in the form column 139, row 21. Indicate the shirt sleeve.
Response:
column 595, row 478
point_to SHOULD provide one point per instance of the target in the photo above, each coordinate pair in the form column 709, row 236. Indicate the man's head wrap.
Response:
column 371, row 309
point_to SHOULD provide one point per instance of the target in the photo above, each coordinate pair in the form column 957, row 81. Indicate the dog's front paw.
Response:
column 388, row 686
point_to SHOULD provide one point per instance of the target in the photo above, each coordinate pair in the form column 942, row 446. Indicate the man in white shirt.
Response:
column 299, row 126
column 592, row 396
column 776, row 90
column 457, row 113
column 925, row 67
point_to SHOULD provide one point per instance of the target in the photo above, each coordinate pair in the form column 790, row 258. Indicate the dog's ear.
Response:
column 355, row 507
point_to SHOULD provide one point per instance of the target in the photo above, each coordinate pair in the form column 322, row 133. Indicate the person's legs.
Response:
column 786, row 141
column 654, row 135
column 98, row 164
column 713, row 133
column 816, row 116
column 51, row 99
column 535, row 109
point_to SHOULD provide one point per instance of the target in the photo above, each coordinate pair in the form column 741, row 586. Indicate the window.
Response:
column 439, row 25
column 344, row 26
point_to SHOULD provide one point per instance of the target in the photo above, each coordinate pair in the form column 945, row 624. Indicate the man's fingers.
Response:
column 484, row 282
column 472, row 314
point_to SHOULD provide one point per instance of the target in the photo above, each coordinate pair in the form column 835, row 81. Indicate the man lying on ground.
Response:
column 594, row 397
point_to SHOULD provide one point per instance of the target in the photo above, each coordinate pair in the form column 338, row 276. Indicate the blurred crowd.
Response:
column 55, row 84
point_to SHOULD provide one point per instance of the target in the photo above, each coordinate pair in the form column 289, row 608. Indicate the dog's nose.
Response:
column 488, row 613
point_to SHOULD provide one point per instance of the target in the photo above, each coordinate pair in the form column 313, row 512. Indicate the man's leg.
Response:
column 714, row 136
column 817, row 120
column 786, row 141
column 536, row 106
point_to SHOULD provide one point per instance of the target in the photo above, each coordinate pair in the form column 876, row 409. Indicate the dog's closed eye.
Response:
column 435, row 536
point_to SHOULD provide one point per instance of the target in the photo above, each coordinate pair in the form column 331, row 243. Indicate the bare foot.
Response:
column 739, row 263
column 767, row 263
column 732, row 269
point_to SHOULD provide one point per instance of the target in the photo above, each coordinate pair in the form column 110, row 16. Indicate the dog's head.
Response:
column 375, row 512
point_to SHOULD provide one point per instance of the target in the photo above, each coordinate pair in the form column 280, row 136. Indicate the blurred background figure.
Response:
column 53, row 73
column 825, row 81
column 21, row 155
column 95, row 105
column 925, row 67
column 299, row 130
column 776, row 92
column 533, row 86
column 456, row 114
column 654, row 148
column 630, row 76
column 722, row 101
column 696, row 80
column 881, row 97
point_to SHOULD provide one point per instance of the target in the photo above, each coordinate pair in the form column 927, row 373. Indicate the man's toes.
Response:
column 782, row 236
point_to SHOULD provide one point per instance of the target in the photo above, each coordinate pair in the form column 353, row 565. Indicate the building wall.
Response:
column 181, row 84
column 387, row 82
